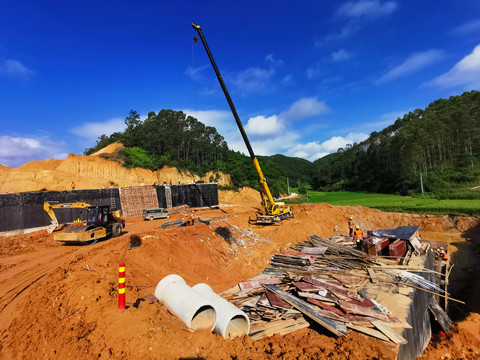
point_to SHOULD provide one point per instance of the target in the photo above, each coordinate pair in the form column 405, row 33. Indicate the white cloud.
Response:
column 261, row 125
column 92, row 130
column 366, row 9
column 315, row 150
column 15, row 151
column 347, row 30
column 221, row 120
column 268, row 134
column 313, row 72
column 288, row 80
column 412, row 64
column 14, row 68
column 277, row 144
column 465, row 73
column 196, row 73
column 251, row 80
column 354, row 14
column 468, row 28
column 305, row 108
column 275, row 62
column 341, row 55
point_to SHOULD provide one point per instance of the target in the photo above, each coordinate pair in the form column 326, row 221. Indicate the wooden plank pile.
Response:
column 317, row 286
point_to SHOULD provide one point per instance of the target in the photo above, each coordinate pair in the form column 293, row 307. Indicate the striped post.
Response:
column 121, row 287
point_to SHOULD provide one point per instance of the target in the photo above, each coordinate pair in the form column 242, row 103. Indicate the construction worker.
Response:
column 192, row 216
column 358, row 237
column 443, row 254
column 185, row 218
column 73, row 185
column 350, row 226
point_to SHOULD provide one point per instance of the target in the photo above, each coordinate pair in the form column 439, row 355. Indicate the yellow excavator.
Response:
column 274, row 212
column 101, row 223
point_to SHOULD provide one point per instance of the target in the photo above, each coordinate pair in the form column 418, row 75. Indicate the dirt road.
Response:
column 61, row 301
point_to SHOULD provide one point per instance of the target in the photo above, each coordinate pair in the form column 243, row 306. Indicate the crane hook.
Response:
column 195, row 38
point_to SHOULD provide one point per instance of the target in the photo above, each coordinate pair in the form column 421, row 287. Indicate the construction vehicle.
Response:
column 100, row 223
column 274, row 212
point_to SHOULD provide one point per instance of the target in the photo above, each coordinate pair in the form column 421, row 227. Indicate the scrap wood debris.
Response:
column 321, row 282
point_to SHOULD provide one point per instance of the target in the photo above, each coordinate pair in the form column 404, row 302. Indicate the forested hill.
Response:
column 175, row 139
column 441, row 142
column 298, row 170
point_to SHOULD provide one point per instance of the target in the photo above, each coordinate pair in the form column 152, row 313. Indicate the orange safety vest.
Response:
column 192, row 216
column 445, row 255
column 358, row 235
column 350, row 224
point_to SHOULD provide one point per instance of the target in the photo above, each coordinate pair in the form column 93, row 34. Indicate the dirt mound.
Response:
column 91, row 172
column 462, row 342
column 49, row 164
column 243, row 196
column 112, row 149
column 61, row 301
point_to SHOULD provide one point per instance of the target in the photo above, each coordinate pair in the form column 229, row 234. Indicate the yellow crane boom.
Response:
column 273, row 212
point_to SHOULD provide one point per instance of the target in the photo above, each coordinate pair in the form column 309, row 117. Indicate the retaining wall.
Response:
column 25, row 210
column 419, row 318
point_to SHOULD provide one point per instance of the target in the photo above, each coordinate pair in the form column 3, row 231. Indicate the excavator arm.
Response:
column 271, row 208
column 53, row 218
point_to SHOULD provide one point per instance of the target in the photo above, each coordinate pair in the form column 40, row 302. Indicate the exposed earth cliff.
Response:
column 91, row 172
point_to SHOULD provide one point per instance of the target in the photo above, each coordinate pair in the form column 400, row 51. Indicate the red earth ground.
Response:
column 60, row 301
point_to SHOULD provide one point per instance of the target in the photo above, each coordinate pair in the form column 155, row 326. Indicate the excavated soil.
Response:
column 99, row 170
column 61, row 301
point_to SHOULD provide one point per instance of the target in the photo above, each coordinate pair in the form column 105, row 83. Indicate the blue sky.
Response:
column 306, row 77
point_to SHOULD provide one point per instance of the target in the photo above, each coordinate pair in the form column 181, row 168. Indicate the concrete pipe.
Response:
column 231, row 321
column 179, row 298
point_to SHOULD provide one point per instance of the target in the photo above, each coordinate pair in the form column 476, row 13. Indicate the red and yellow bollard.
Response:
column 121, row 287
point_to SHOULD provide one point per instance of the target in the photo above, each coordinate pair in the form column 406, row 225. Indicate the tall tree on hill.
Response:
column 442, row 142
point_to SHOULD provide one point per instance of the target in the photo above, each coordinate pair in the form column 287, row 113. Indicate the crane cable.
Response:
column 195, row 39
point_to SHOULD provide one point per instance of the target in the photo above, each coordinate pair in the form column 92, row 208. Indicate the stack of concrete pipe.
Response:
column 199, row 307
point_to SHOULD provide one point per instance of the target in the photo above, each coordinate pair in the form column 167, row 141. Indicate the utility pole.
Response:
column 421, row 182
column 288, row 187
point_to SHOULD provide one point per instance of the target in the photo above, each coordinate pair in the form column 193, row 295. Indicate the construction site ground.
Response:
column 60, row 301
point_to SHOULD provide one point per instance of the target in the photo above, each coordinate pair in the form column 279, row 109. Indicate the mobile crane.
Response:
column 274, row 212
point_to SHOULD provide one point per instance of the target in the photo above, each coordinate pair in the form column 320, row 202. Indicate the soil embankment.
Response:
column 61, row 301
column 99, row 170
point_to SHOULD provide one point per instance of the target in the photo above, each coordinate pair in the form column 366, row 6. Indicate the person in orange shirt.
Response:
column 350, row 226
column 358, row 237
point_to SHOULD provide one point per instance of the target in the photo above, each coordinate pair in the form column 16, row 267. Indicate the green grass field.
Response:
column 395, row 203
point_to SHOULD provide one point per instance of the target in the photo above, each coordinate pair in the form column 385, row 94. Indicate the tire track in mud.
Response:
column 12, row 288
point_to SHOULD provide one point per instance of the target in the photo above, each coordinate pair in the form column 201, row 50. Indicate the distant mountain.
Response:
column 441, row 142
column 297, row 170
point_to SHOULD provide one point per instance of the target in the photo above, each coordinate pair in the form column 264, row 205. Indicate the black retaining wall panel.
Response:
column 25, row 210
column 162, row 201
column 193, row 195
column 419, row 318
